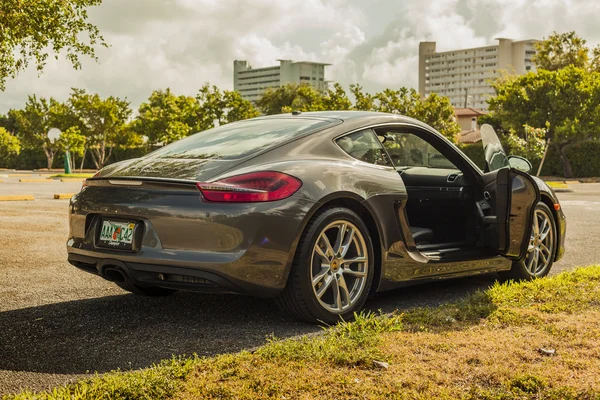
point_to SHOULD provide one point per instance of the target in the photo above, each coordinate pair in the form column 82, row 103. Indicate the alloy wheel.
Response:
column 339, row 266
column 541, row 244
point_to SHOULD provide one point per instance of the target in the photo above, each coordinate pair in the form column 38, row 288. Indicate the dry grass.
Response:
column 486, row 346
column 482, row 361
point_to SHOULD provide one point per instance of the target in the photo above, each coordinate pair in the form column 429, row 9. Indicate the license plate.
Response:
column 117, row 234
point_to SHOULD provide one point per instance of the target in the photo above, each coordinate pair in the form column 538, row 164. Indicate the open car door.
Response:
column 507, row 205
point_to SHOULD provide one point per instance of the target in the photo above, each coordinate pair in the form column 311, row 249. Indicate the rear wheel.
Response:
column 541, row 248
column 332, row 270
column 154, row 291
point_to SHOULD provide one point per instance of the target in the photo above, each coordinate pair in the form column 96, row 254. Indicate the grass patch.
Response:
column 557, row 185
column 71, row 176
column 161, row 381
column 485, row 346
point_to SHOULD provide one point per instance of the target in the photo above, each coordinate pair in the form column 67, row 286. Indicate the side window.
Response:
column 364, row 146
column 409, row 150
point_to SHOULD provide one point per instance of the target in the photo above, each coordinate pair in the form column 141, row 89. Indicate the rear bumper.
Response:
column 245, row 248
column 168, row 276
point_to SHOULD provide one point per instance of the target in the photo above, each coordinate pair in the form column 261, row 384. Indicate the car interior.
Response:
column 441, row 207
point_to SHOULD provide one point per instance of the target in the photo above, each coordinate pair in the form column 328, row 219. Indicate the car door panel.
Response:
column 506, row 211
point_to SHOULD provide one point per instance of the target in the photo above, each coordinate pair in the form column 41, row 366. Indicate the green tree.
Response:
column 303, row 97
column 74, row 142
column 10, row 147
column 433, row 110
column 560, row 50
column 165, row 117
column 493, row 120
column 35, row 120
column 8, row 122
column 336, row 98
column 221, row 106
column 566, row 102
column 29, row 29
column 362, row 101
column 531, row 147
column 104, row 124
column 236, row 108
column 595, row 60
column 289, row 98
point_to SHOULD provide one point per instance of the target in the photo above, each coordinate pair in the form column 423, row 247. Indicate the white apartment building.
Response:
column 464, row 75
column 252, row 82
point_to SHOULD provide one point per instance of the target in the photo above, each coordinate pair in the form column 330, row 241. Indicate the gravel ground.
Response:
column 58, row 323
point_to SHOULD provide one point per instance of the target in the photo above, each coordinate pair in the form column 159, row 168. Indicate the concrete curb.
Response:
column 35, row 180
column 19, row 197
column 72, row 179
column 63, row 196
column 19, row 175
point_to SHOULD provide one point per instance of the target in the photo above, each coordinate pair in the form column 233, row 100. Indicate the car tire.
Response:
column 543, row 241
column 330, row 278
column 153, row 291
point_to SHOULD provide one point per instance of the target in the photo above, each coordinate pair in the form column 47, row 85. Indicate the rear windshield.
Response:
column 239, row 139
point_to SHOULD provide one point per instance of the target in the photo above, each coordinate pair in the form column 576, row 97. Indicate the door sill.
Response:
column 453, row 252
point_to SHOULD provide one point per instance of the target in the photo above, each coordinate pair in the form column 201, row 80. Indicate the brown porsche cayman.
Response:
column 316, row 210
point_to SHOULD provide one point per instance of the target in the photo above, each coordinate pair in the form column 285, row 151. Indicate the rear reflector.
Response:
column 252, row 187
column 557, row 206
column 125, row 183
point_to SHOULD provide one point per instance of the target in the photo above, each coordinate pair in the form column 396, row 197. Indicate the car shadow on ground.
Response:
column 129, row 331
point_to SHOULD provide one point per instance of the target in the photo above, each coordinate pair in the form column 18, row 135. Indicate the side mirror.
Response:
column 520, row 163
column 386, row 138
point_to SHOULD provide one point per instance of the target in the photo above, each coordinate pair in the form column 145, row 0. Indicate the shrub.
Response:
column 10, row 147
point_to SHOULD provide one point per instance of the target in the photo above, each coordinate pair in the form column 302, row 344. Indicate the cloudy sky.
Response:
column 182, row 44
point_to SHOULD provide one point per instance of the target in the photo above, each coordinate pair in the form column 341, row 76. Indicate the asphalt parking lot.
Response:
column 58, row 323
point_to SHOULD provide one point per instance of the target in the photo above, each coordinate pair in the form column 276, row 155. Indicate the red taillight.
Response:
column 252, row 187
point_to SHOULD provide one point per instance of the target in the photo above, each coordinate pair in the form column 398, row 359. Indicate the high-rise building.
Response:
column 464, row 75
column 252, row 82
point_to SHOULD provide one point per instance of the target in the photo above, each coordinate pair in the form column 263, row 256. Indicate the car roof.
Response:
column 350, row 116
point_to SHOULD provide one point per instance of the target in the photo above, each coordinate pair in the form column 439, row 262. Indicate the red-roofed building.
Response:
column 467, row 119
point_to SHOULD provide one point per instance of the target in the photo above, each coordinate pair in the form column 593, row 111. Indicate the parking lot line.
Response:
column 18, row 197
column 63, row 196
column 36, row 180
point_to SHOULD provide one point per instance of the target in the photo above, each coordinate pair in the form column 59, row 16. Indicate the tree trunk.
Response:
column 564, row 161
column 49, row 157
column 110, row 151
column 93, row 153
column 539, row 171
column 82, row 159
column 102, row 154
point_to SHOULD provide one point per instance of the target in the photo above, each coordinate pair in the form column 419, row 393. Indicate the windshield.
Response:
column 238, row 139
column 495, row 157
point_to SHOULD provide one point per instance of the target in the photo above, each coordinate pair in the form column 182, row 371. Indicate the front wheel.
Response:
column 541, row 248
column 333, row 269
